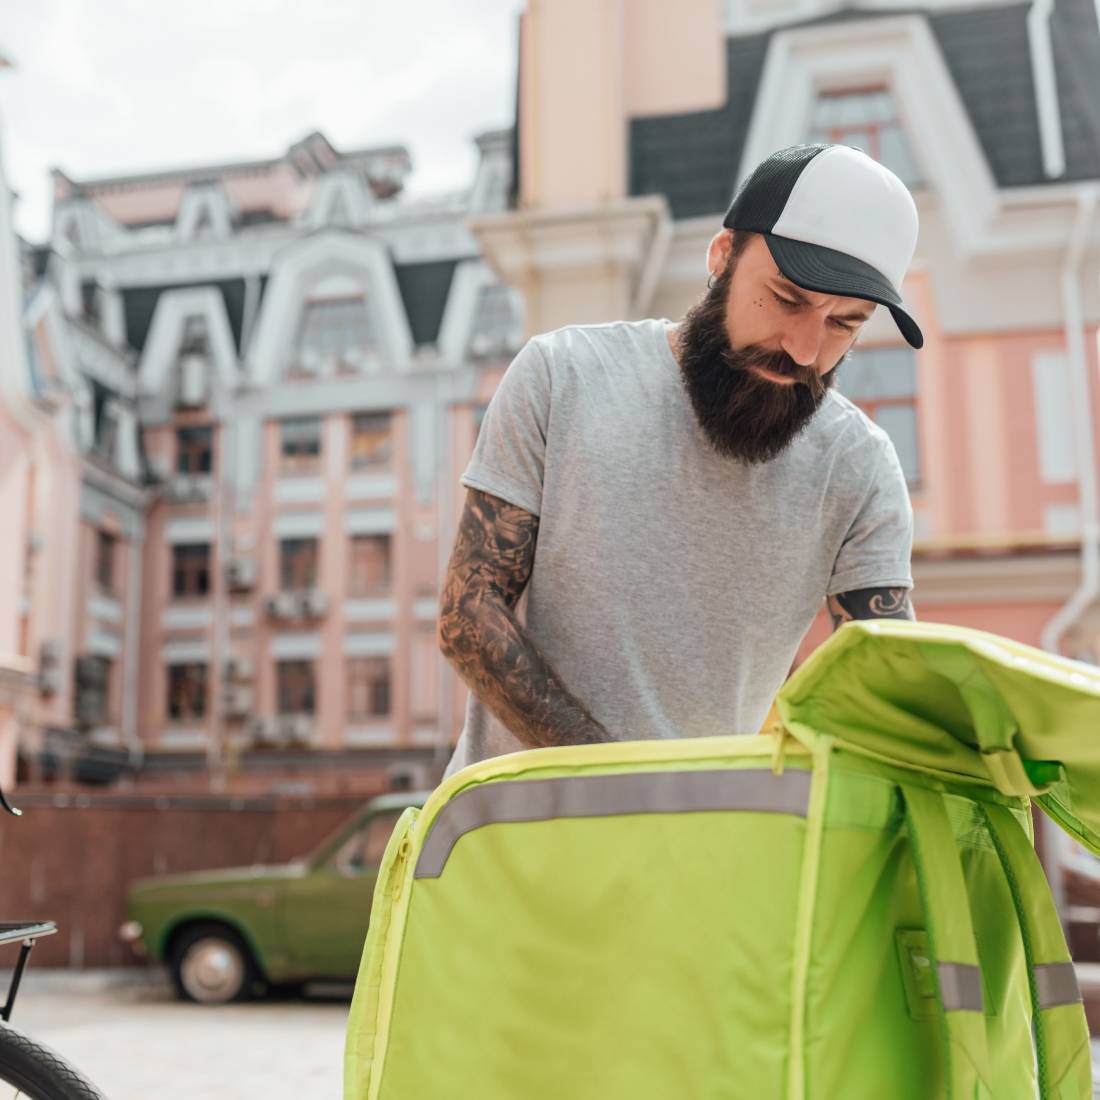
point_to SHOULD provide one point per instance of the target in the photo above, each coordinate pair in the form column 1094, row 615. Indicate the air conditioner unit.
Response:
column 283, row 605
column 238, row 668
column 314, row 603
column 240, row 574
column 187, row 488
column 192, row 380
column 265, row 731
column 238, row 701
column 407, row 775
column 299, row 729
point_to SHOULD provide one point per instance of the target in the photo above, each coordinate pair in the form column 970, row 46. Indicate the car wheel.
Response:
column 212, row 965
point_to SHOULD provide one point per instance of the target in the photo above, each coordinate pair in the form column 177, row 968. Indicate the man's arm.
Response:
column 870, row 603
column 480, row 635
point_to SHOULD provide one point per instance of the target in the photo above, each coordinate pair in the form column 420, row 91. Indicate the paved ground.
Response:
column 126, row 1031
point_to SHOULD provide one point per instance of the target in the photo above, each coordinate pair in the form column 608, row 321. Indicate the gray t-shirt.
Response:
column 671, row 586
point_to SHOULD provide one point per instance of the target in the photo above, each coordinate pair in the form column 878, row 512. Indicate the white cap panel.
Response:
column 876, row 221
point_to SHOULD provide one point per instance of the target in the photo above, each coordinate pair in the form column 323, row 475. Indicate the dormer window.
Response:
column 867, row 119
column 107, row 433
column 193, row 365
column 335, row 334
column 497, row 326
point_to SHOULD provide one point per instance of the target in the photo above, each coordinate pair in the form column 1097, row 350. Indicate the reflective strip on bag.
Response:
column 609, row 796
column 1056, row 984
column 960, row 987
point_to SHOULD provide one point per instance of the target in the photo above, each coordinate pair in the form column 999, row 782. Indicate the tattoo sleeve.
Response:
column 870, row 603
column 480, row 635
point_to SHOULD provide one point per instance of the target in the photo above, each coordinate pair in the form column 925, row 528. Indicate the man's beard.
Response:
column 743, row 415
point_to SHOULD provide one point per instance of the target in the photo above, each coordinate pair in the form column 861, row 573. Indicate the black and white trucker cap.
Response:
column 836, row 222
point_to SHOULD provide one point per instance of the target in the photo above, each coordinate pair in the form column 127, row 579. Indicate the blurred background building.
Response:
column 259, row 380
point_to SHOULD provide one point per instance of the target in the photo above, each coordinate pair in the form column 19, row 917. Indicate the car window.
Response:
column 365, row 847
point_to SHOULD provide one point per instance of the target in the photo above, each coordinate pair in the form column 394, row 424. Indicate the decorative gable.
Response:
column 205, row 212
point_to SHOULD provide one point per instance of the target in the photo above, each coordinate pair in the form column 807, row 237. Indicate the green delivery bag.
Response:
column 849, row 908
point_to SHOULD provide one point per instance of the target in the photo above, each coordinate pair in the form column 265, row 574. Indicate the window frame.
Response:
column 306, row 689
column 200, row 687
column 178, row 565
column 358, row 680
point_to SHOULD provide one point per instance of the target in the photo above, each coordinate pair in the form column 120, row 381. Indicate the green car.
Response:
column 226, row 934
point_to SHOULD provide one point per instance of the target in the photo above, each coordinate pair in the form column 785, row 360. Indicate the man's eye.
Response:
column 783, row 301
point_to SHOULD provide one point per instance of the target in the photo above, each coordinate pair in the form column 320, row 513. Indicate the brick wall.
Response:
column 71, row 857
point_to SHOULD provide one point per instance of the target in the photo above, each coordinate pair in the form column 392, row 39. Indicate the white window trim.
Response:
column 302, row 266
column 897, row 53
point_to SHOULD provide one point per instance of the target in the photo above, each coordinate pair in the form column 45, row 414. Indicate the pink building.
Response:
column 271, row 370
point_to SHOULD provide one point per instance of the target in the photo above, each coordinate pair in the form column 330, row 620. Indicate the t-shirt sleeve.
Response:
column 877, row 549
column 511, row 446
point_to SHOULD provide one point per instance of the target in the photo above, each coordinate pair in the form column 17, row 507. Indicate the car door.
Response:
column 323, row 916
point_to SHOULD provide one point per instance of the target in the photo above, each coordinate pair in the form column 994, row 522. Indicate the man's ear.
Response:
column 718, row 252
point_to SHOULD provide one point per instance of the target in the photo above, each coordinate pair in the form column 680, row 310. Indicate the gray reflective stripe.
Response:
column 1056, row 984
column 960, row 987
column 610, row 795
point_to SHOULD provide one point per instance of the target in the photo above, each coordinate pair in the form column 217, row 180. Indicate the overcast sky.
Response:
column 112, row 86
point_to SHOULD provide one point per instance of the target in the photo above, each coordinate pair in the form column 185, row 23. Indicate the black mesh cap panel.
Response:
column 760, row 202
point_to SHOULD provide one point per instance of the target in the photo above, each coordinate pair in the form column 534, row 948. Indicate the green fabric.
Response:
column 961, row 703
column 362, row 1031
column 715, row 954
column 950, row 936
column 1061, row 1032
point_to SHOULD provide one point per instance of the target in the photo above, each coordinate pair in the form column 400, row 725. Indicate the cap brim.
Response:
column 827, row 271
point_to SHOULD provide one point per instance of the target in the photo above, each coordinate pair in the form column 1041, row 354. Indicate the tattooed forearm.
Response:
column 481, row 636
column 870, row 603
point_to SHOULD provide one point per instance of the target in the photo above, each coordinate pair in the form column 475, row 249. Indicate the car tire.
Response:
column 212, row 965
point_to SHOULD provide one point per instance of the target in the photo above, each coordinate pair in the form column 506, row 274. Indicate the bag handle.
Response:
column 1061, row 1032
column 951, row 945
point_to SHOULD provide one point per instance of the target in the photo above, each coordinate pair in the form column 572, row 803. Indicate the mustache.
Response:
column 775, row 362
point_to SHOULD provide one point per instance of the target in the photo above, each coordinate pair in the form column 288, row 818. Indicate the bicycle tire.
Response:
column 39, row 1072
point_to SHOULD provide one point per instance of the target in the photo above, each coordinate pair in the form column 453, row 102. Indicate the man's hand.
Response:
column 480, row 635
column 870, row 603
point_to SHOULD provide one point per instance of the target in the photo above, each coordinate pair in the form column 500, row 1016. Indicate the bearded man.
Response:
column 674, row 503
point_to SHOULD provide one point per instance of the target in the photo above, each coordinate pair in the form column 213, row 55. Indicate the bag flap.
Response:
column 969, row 705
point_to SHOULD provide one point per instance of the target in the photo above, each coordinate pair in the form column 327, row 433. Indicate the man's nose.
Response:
column 803, row 337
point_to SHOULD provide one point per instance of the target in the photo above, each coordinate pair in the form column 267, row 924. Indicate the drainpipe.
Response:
column 1081, row 407
column 1046, row 88
column 1051, row 839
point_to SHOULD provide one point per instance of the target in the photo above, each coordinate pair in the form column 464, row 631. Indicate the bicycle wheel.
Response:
column 31, row 1071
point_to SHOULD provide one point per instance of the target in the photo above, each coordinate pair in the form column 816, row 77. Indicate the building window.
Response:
column 186, row 691
column 335, row 329
column 297, row 564
column 369, row 571
column 105, row 560
column 107, row 433
column 194, row 450
column 301, row 445
column 883, row 383
column 866, row 118
column 497, row 327
column 371, row 440
column 479, row 419
column 368, row 687
column 296, row 687
column 190, row 569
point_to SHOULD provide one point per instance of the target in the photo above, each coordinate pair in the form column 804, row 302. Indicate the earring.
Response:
column 710, row 281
